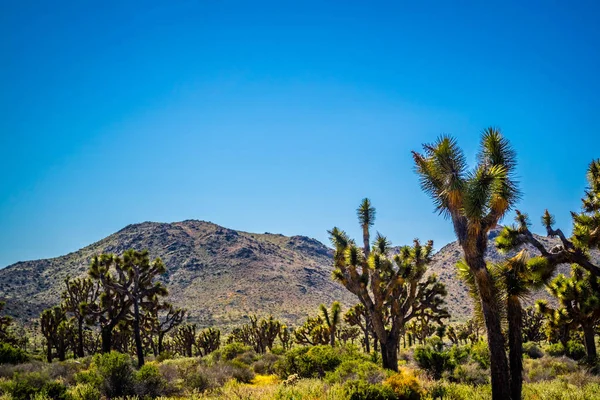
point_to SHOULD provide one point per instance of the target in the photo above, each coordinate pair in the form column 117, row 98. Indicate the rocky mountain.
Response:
column 221, row 275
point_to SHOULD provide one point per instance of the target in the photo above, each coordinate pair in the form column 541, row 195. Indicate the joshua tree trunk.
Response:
column 590, row 343
column 79, row 352
column 106, row 333
column 389, row 354
column 161, row 338
column 515, row 344
column 49, row 351
column 139, row 348
column 491, row 313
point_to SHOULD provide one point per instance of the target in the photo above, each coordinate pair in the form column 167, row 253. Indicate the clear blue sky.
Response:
column 279, row 116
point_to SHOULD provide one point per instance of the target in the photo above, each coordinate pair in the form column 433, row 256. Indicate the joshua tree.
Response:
column 475, row 202
column 332, row 319
column 285, row 337
column 357, row 316
column 313, row 332
column 164, row 319
column 586, row 231
column 5, row 323
column 208, row 341
column 346, row 333
column 53, row 325
column 579, row 298
column 185, row 338
column 79, row 292
column 392, row 292
column 533, row 325
column 133, row 284
column 517, row 277
column 112, row 305
column 260, row 334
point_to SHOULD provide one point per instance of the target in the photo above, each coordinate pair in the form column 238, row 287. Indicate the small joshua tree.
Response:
column 208, row 341
column 332, row 319
column 579, row 299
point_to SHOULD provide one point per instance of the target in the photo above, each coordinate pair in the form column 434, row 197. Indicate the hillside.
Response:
column 222, row 275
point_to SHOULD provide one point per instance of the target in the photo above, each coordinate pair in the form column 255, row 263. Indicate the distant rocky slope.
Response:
column 222, row 275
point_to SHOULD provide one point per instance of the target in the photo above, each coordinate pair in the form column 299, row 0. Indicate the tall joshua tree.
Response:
column 78, row 293
column 332, row 319
column 393, row 291
column 133, row 283
column 475, row 201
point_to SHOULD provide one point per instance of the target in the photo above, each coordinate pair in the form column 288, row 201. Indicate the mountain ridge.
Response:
column 223, row 275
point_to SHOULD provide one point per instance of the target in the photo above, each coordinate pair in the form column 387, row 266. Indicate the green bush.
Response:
column 84, row 391
column 29, row 385
column 12, row 355
column 232, row 350
column 240, row 371
column 469, row 373
column 360, row 390
column 434, row 362
column 266, row 364
column 406, row 385
column 481, row 354
column 310, row 362
column 356, row 370
column 575, row 350
column 149, row 383
column 555, row 349
column 197, row 380
column 115, row 374
column 532, row 350
column 165, row 355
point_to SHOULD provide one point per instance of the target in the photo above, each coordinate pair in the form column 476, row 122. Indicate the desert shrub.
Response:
column 266, row 364
column 356, row 370
column 12, row 355
column 532, row 350
column 247, row 357
column 575, row 350
column 309, row 362
column 84, row 391
column 307, row 389
column 460, row 354
column 240, row 371
column 555, row 349
column 470, row 373
column 406, row 385
column 165, row 355
column 434, row 362
column 278, row 350
column 360, row 390
column 113, row 373
column 548, row 368
column 435, row 342
column 481, row 354
column 149, row 382
column 231, row 351
column 197, row 380
column 559, row 390
column 459, row 391
column 27, row 386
